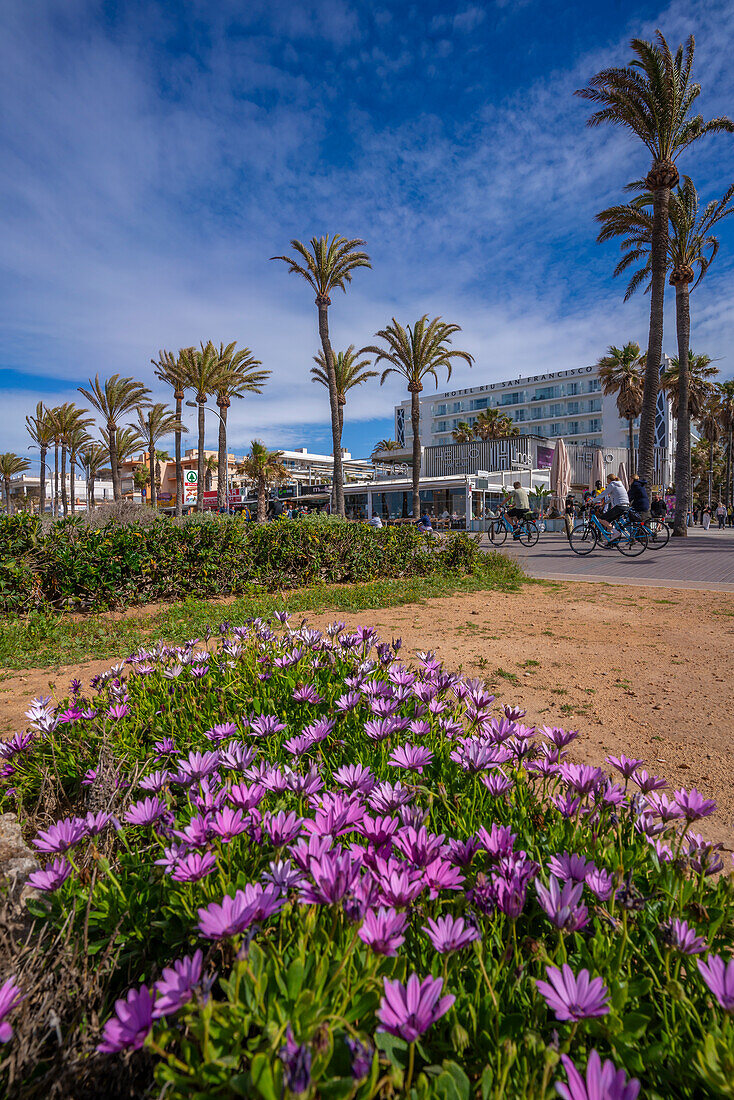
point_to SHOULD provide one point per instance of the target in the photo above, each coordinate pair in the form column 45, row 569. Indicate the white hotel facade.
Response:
column 568, row 404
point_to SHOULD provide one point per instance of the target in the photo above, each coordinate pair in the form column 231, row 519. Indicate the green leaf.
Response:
column 262, row 1077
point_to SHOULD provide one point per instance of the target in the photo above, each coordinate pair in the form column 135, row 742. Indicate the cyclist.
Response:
column 639, row 497
column 658, row 507
column 520, row 506
column 616, row 500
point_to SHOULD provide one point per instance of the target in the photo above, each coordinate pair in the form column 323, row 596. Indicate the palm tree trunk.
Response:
column 64, row 495
column 55, row 509
column 262, row 500
column 727, row 482
column 114, row 466
column 72, row 481
column 222, row 495
column 415, row 419
column 177, row 443
column 631, row 445
column 711, row 468
column 6, row 489
column 90, row 494
column 151, row 455
column 42, row 497
column 323, row 307
column 658, row 264
column 200, row 462
column 683, row 438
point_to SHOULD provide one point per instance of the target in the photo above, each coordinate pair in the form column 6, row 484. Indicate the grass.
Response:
column 48, row 641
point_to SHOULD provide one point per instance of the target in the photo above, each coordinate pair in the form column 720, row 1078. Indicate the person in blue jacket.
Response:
column 640, row 497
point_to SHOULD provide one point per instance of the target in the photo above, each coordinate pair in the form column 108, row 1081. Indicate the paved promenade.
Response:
column 704, row 560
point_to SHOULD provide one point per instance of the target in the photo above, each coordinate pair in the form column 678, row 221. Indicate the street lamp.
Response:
column 194, row 405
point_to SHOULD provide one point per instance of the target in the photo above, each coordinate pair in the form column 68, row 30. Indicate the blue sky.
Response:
column 154, row 155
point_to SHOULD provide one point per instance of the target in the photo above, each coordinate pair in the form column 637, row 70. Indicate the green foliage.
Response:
column 74, row 566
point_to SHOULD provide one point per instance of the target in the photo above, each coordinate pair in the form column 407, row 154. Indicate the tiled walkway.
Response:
column 704, row 560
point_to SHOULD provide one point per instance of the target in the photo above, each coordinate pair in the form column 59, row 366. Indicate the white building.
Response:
column 567, row 403
column 28, row 485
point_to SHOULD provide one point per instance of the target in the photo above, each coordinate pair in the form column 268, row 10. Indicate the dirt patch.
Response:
column 646, row 672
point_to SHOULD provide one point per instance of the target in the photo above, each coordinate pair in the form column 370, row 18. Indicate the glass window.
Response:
column 439, row 410
column 595, row 425
column 572, row 388
column 545, row 393
column 572, row 408
column 479, row 403
column 595, row 405
column 355, row 505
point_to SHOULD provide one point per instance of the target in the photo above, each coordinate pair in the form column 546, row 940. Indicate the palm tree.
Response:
column 10, row 465
column 263, row 468
column 726, row 389
column 172, row 371
column 493, row 424
column 239, row 376
column 621, row 373
column 204, row 374
column 699, row 376
column 40, row 429
column 328, row 265
column 210, row 465
column 55, row 427
column 653, row 98
column 709, row 425
column 113, row 399
column 76, row 438
column 349, row 372
column 93, row 458
column 463, row 432
column 154, row 423
column 385, row 445
column 690, row 246
column 415, row 353
column 68, row 419
column 140, row 479
column 127, row 443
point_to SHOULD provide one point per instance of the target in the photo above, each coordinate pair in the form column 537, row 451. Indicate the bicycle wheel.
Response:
column 582, row 539
column 658, row 534
column 497, row 533
column 633, row 540
column 528, row 534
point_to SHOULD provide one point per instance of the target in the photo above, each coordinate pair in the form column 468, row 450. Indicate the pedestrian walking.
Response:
column 706, row 518
column 721, row 514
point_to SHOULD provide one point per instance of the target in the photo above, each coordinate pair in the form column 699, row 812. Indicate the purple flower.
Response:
column 131, row 1023
column 156, row 781
column 563, row 904
column 236, row 757
column 362, row 1056
column 282, row 828
column 10, row 997
column 600, row 882
column 221, row 732
column 174, row 988
column 581, row 777
column 116, row 712
column 96, row 823
column 418, row 845
column 388, row 797
column 166, row 747
column 227, row 823
column 197, row 766
column 450, row 934
column 18, row 743
column 603, row 1081
column 624, row 764
column 246, row 795
column 194, row 866
column 499, row 841
column 414, row 758
column 336, row 815
column 333, row 876
column 398, row 885
column 566, row 804
column 497, row 783
column 382, row 930
column 407, row 1011
column 378, row 831
column 647, row 782
column 559, row 737
column 296, row 1059
column 693, row 805
column 355, row 777
column 283, row 874
column 237, row 913
column 145, row 812
column 571, row 997
column 569, row 866
column 348, row 702
column 719, row 977
column 61, row 836
column 305, row 693
column 680, row 935
column 265, row 725
column 442, row 875
column 661, row 806
column 462, row 852
column 380, row 728
column 51, row 877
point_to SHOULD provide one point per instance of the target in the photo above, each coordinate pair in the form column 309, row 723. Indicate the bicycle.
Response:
column 658, row 533
column 525, row 532
column 628, row 535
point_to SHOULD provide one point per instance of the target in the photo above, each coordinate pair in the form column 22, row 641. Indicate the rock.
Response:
column 17, row 861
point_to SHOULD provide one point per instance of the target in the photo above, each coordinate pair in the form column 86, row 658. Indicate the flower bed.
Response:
column 295, row 864
column 76, row 565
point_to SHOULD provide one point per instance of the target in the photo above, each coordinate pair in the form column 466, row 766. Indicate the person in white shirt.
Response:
column 520, row 503
column 375, row 521
column 616, row 500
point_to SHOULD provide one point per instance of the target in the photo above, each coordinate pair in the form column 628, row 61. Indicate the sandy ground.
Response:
column 650, row 674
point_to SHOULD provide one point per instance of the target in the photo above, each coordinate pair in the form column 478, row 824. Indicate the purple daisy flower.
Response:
column 265, row 725
column 227, row 823
column 413, row 758
column 442, row 875
column 450, row 934
column 306, row 693
column 382, row 930
column 647, row 782
column 10, row 997
column 407, row 1011
column 156, row 782
column 600, row 882
column 334, row 875
column 562, row 904
column 355, row 777
column 719, row 977
column 462, row 852
column 51, row 877
column 362, row 1056
column 624, row 764
column 683, row 938
column 388, row 797
column 174, row 988
column 131, row 1023
column 221, row 732
column 96, row 823
column 296, row 1059
column 146, row 811
column 568, row 866
column 499, row 841
column 282, row 828
column 497, row 783
column 61, row 836
column 246, row 796
column 693, row 805
column 194, row 866
column 572, row 997
column 603, row 1081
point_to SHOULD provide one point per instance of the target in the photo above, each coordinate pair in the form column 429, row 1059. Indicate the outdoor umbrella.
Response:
column 560, row 474
column 622, row 475
column 597, row 470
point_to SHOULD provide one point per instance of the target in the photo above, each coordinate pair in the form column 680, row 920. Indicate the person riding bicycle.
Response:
column 639, row 497
column 520, row 506
column 616, row 500
column 658, row 507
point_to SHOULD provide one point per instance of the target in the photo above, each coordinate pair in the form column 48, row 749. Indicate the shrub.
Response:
column 310, row 869
column 77, row 565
